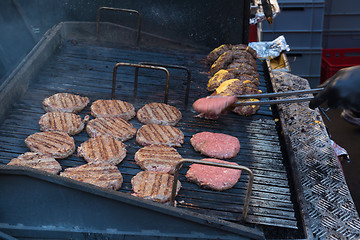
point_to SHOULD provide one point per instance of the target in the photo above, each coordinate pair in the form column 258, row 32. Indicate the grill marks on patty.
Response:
column 115, row 127
column 159, row 135
column 38, row 161
column 54, row 143
column 65, row 102
column 99, row 174
column 103, row 149
column 157, row 158
column 113, row 108
column 159, row 113
column 61, row 121
column 154, row 186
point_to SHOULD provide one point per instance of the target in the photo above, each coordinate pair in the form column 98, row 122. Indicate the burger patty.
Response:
column 159, row 113
column 157, row 158
column 247, row 110
column 103, row 149
column 55, row 143
column 233, row 87
column 213, row 177
column 155, row 186
column 160, row 135
column 216, row 145
column 99, row 174
column 111, row 126
column 61, row 121
column 65, row 102
column 112, row 108
column 38, row 161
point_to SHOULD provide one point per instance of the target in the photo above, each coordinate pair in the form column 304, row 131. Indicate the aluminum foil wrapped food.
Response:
column 270, row 49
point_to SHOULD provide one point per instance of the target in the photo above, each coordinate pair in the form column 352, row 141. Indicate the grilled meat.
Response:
column 223, row 75
column 241, row 56
column 112, row 108
column 221, row 63
column 103, row 149
column 159, row 113
column 213, row 177
column 61, row 121
column 65, row 102
column 241, row 71
column 246, row 110
column 99, row 174
column 55, row 143
column 157, row 158
column 215, row 54
column 114, row 127
column 244, row 65
column 159, row 135
column 216, row 145
column 155, row 186
column 235, row 87
column 38, row 161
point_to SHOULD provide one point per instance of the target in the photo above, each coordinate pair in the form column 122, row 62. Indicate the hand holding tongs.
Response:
column 278, row 94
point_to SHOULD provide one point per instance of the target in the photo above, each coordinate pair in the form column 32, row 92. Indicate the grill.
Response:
column 85, row 67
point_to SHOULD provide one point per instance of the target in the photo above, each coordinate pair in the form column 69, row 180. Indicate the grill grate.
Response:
column 85, row 68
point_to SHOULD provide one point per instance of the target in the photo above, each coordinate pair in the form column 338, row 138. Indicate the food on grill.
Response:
column 61, row 121
column 55, row 143
column 155, row 186
column 243, row 56
column 103, row 149
column 223, row 75
column 160, row 135
column 241, row 71
column 99, row 174
column 234, row 87
column 65, row 102
column 111, row 126
column 112, row 108
column 243, row 65
column 221, row 63
column 212, row 177
column 247, row 110
column 215, row 54
column 38, row 161
column 159, row 113
column 157, row 158
column 216, row 145
column 211, row 107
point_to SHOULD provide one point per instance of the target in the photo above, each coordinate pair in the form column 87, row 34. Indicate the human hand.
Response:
column 342, row 89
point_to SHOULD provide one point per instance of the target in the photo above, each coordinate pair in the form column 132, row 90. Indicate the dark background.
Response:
column 206, row 22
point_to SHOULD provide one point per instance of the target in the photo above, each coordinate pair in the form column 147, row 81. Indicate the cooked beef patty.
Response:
column 38, row 161
column 114, row 127
column 160, row 135
column 212, row 177
column 103, row 149
column 233, row 87
column 159, row 113
column 154, row 186
column 55, row 143
column 246, row 110
column 99, row 174
column 157, row 158
column 65, row 102
column 112, row 108
column 216, row 145
column 61, row 121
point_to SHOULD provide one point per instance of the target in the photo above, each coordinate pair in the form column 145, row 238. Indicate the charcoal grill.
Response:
column 78, row 61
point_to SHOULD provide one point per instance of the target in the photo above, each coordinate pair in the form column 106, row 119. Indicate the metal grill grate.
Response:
column 86, row 68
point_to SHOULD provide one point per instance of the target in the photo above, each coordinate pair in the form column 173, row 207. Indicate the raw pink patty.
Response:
column 216, row 145
column 216, row 178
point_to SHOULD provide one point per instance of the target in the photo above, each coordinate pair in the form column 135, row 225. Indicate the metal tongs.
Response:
column 273, row 95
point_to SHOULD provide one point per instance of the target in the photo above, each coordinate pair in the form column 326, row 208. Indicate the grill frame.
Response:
column 55, row 34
